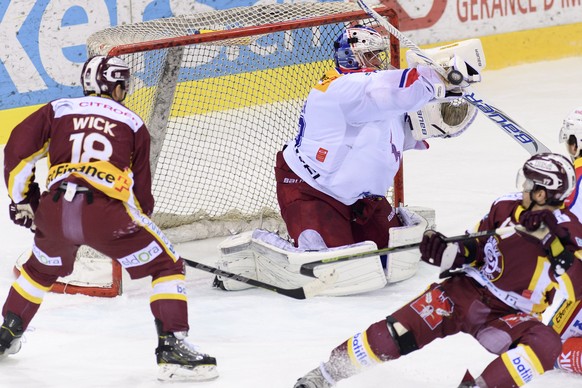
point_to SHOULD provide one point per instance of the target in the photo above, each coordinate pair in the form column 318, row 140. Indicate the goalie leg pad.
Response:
column 403, row 265
column 237, row 257
column 278, row 262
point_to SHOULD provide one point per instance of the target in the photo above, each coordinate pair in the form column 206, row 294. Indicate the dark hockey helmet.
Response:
column 361, row 48
column 101, row 74
column 554, row 172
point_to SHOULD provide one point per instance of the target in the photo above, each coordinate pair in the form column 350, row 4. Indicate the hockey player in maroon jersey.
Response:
column 495, row 289
column 98, row 194
column 567, row 320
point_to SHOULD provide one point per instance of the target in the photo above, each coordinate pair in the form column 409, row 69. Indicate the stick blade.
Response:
column 324, row 280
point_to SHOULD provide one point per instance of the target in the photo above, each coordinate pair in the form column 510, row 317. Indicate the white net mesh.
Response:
column 219, row 111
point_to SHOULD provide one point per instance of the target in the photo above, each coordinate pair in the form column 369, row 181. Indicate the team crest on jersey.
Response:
column 433, row 306
column 493, row 267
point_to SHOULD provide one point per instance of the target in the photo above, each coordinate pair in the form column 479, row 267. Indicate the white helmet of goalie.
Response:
column 361, row 49
column 571, row 133
column 441, row 119
column 101, row 74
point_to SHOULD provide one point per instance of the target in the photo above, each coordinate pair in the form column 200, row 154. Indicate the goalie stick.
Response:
column 499, row 118
column 307, row 291
column 308, row 269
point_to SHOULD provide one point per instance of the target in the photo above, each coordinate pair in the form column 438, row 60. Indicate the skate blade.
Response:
column 13, row 349
column 173, row 372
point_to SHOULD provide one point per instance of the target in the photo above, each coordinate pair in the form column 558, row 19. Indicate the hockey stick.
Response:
column 307, row 291
column 307, row 269
column 502, row 120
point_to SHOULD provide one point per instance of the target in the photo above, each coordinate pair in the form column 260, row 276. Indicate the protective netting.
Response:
column 219, row 111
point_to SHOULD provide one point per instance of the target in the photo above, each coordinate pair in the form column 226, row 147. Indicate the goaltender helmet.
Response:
column 571, row 132
column 101, row 74
column 441, row 119
column 553, row 172
column 361, row 49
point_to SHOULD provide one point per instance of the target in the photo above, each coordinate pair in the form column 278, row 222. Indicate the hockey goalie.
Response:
column 333, row 177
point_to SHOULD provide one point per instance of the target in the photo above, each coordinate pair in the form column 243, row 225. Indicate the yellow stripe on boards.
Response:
column 10, row 118
column 247, row 89
column 521, row 47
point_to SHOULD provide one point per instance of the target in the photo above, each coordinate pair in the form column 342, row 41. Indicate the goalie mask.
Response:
column 361, row 49
column 441, row 119
column 571, row 132
column 101, row 74
column 553, row 172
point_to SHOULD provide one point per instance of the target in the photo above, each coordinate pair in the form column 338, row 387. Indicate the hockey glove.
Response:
column 544, row 226
column 436, row 251
column 22, row 213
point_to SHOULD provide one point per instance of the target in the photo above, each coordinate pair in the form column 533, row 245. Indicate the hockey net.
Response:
column 221, row 93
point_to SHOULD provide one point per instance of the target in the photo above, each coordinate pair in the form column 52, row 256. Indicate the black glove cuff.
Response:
column 470, row 250
column 562, row 262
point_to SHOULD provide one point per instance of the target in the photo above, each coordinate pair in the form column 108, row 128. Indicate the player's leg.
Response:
column 306, row 209
column 143, row 250
column 373, row 217
column 526, row 347
column 53, row 255
column 410, row 328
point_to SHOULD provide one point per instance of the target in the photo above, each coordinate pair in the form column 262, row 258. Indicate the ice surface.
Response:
column 265, row 340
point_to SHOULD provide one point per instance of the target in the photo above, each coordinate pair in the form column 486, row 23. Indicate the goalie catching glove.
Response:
column 22, row 213
column 450, row 114
column 544, row 226
column 441, row 119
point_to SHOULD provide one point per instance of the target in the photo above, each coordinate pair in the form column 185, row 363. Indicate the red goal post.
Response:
column 221, row 93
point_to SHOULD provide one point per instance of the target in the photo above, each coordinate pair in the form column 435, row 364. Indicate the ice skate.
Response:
column 10, row 334
column 179, row 360
column 314, row 379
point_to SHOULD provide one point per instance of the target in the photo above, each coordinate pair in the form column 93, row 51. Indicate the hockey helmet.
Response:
column 360, row 49
column 441, row 119
column 101, row 74
column 571, row 131
column 554, row 172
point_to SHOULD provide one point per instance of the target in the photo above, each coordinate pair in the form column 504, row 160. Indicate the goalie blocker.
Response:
column 267, row 257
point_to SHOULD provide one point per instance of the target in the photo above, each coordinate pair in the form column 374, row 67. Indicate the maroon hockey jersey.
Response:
column 515, row 267
column 93, row 141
